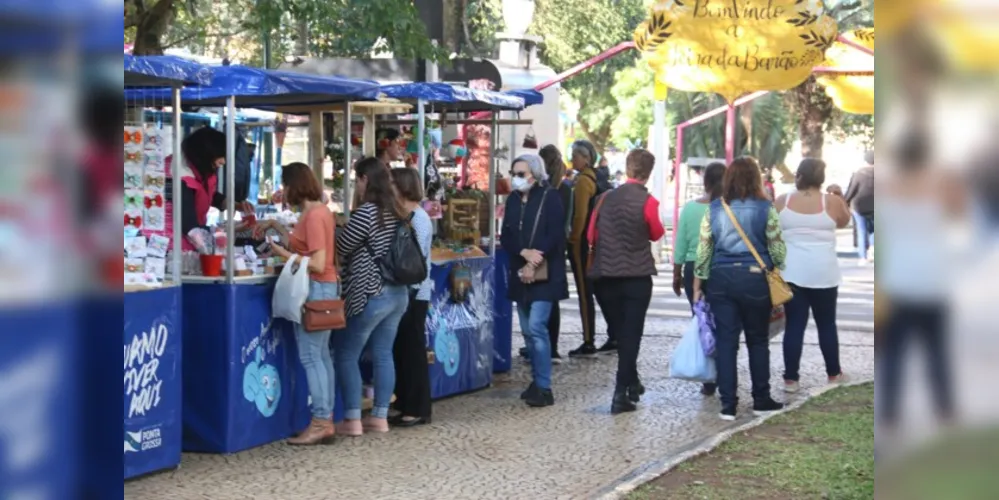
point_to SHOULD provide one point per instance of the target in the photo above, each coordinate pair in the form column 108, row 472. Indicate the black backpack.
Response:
column 404, row 263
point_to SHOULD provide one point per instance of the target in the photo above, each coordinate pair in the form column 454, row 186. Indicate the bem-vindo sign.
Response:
column 734, row 47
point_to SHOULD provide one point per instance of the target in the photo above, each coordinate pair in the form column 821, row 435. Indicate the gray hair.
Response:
column 585, row 147
column 535, row 164
column 869, row 157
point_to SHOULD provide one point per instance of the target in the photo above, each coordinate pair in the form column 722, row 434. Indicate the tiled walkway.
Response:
column 489, row 445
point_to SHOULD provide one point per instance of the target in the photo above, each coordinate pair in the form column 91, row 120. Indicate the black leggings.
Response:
column 908, row 323
column 412, row 382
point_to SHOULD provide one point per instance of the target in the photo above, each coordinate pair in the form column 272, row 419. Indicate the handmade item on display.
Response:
column 461, row 283
column 462, row 221
column 144, row 187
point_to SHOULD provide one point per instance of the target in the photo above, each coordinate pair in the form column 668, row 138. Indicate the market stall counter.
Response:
column 243, row 384
column 461, row 322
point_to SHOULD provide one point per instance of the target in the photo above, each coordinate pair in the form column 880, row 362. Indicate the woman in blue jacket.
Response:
column 534, row 237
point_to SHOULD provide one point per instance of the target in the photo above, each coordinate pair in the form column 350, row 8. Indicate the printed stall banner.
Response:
column 243, row 383
column 460, row 326
column 735, row 47
column 152, row 401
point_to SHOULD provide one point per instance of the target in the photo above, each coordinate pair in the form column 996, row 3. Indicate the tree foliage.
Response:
column 347, row 28
column 577, row 30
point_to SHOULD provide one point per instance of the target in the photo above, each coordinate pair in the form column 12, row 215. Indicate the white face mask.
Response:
column 520, row 184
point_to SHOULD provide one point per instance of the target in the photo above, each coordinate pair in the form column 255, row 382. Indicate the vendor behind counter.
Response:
column 204, row 151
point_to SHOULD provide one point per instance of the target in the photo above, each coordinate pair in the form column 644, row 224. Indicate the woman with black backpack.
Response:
column 374, row 304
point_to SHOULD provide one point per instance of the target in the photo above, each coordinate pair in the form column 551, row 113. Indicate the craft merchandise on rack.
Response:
column 144, row 206
column 252, row 254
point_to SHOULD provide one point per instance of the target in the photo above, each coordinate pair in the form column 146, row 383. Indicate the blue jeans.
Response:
column 376, row 328
column 822, row 304
column 534, row 323
column 865, row 233
column 314, row 353
column 740, row 301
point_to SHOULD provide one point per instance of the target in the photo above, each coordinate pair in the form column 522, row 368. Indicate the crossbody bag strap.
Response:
column 537, row 219
column 596, row 214
column 745, row 239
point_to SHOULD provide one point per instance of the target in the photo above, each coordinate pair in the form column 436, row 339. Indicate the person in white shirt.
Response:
column 809, row 219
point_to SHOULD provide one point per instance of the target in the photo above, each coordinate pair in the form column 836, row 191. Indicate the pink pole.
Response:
column 845, row 41
column 730, row 134
column 676, row 184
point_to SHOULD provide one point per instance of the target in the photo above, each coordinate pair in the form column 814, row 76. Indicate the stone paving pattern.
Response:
column 488, row 445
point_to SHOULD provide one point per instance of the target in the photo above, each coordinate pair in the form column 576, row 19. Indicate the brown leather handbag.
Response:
column 323, row 315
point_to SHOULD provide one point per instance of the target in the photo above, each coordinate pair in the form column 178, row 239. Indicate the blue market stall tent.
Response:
column 243, row 384
column 153, row 323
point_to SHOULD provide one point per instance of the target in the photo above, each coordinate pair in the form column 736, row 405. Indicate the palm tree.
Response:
column 770, row 136
column 809, row 101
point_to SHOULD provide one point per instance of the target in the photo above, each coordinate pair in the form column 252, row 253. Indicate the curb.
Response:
column 652, row 470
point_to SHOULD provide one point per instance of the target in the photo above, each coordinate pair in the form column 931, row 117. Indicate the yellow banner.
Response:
column 851, row 92
column 660, row 92
column 734, row 47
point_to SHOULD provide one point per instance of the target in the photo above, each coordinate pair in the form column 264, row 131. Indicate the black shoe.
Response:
column 709, row 389
column 610, row 347
column 556, row 358
column 527, row 392
column 403, row 423
column 524, row 353
column 766, row 407
column 584, row 351
column 728, row 413
column 622, row 403
column 538, row 397
column 636, row 392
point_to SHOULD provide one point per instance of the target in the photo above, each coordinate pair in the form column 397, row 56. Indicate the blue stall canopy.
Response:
column 265, row 89
column 459, row 99
column 164, row 71
column 531, row 97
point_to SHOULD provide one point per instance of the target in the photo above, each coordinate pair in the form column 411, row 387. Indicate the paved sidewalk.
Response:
column 488, row 445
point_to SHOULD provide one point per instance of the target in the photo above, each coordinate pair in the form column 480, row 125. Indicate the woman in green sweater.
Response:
column 688, row 236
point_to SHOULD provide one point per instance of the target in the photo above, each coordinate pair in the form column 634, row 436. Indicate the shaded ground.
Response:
column 824, row 450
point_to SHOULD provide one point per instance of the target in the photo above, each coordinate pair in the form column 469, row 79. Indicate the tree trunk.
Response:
column 302, row 44
column 812, row 133
column 599, row 137
column 150, row 27
column 815, row 109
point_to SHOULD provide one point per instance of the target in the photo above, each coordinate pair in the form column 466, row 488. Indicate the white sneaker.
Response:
column 791, row 387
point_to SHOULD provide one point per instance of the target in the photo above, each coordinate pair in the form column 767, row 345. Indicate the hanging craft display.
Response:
column 853, row 90
column 145, row 195
column 736, row 47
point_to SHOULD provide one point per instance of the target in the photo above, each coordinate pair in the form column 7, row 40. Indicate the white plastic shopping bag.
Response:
column 291, row 290
column 689, row 361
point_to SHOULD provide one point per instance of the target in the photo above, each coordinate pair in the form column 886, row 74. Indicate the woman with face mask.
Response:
column 534, row 236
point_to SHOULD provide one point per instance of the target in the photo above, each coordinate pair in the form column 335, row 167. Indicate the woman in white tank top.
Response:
column 809, row 219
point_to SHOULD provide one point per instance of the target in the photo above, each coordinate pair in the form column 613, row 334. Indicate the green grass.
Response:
column 824, row 450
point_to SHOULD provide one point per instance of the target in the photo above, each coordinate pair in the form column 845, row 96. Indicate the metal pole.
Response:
column 316, row 144
column 230, row 190
column 661, row 153
column 421, row 133
column 676, row 177
column 178, row 159
column 492, row 186
column 730, row 134
column 348, row 189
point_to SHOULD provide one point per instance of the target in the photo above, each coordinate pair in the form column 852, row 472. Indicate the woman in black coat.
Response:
column 534, row 237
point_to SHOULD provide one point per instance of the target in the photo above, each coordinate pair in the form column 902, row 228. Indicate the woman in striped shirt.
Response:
column 374, row 307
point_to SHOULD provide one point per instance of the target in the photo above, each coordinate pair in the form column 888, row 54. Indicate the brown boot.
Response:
column 320, row 431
